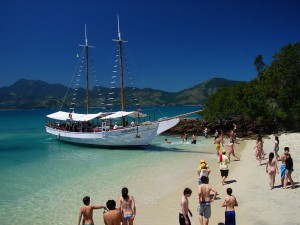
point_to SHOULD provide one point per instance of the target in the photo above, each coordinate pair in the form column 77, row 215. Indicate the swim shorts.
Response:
column 282, row 171
column 277, row 148
column 127, row 216
column 182, row 220
column 230, row 217
column 204, row 209
column 224, row 173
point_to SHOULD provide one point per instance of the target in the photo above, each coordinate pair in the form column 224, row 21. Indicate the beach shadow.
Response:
column 263, row 164
column 277, row 186
column 296, row 185
column 221, row 223
column 230, row 181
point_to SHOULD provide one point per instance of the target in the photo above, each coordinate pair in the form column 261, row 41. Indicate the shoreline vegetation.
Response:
column 245, row 128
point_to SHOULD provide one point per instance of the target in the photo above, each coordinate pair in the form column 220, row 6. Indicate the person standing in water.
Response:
column 87, row 211
column 184, row 208
column 194, row 140
column 184, row 138
column 229, row 202
column 127, row 206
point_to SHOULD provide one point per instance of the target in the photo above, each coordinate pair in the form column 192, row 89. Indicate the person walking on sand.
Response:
column 231, row 150
column 224, row 169
column 203, row 170
column 113, row 216
column 259, row 149
column 282, row 167
column 127, row 206
column 87, row 211
column 271, row 169
column 184, row 208
column 229, row 202
column 218, row 141
column 276, row 147
column 289, row 169
column 204, row 207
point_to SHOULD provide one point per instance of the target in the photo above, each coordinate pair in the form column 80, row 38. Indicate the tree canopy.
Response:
column 274, row 94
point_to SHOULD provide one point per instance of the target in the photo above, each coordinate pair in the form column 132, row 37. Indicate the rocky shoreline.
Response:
column 245, row 128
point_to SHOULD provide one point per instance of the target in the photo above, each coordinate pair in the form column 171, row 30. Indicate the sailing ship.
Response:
column 107, row 129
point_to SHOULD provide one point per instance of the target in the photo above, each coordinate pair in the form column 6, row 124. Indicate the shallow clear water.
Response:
column 43, row 180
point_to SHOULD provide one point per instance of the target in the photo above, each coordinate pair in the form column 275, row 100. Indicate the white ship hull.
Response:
column 137, row 136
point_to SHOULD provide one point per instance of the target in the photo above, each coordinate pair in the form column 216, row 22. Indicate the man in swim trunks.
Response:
column 229, row 202
column 113, row 216
column 184, row 208
column 282, row 167
column 87, row 211
column 204, row 208
column 218, row 141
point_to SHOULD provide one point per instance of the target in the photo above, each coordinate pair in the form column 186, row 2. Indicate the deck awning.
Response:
column 133, row 114
column 60, row 115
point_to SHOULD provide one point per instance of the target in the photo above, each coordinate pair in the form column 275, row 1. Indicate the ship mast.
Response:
column 86, row 46
column 120, row 42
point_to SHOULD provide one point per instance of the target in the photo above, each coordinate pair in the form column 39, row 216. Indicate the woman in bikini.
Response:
column 231, row 150
column 276, row 147
column 127, row 206
column 259, row 149
column 271, row 169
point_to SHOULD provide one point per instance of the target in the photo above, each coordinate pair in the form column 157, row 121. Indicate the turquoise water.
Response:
column 43, row 180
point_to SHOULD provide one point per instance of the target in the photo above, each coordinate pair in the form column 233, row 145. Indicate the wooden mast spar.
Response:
column 120, row 41
column 86, row 46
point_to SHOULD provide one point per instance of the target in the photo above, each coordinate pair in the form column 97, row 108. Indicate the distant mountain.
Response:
column 28, row 94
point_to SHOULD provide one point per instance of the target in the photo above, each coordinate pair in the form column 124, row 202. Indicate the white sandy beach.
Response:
column 249, row 181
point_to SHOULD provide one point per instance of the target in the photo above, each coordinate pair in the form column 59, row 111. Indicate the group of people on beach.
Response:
column 205, row 189
column 204, row 195
column 286, row 167
column 123, row 214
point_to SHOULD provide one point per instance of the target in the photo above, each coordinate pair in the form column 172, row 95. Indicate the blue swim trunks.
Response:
column 277, row 148
column 127, row 216
column 282, row 171
column 230, row 218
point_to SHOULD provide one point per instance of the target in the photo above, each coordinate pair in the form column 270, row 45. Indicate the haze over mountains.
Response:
column 36, row 94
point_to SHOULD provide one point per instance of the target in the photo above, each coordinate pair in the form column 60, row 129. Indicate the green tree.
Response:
column 260, row 66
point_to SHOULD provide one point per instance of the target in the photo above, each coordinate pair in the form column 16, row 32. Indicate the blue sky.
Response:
column 172, row 44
